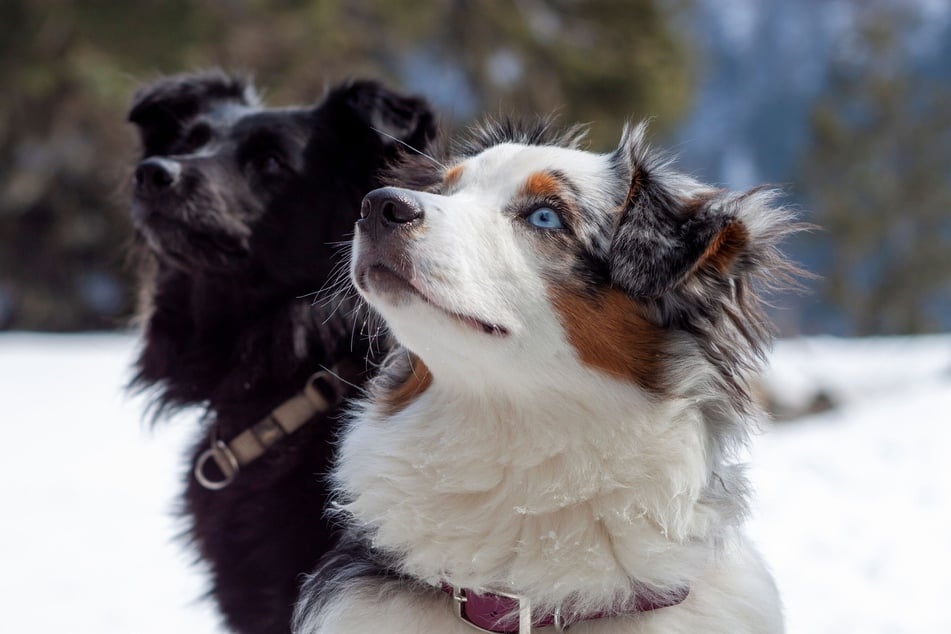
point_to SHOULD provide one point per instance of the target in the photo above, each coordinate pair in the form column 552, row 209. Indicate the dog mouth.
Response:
column 381, row 279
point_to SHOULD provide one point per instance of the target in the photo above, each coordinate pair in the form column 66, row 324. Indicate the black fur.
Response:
column 238, row 209
column 164, row 108
column 353, row 560
column 541, row 130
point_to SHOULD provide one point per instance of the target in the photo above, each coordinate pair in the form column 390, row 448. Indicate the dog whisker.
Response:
column 404, row 143
column 346, row 299
column 342, row 380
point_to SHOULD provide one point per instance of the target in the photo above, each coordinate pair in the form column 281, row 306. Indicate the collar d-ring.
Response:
column 224, row 458
column 322, row 391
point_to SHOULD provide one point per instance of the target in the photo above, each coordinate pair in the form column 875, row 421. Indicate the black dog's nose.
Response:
column 390, row 207
column 155, row 175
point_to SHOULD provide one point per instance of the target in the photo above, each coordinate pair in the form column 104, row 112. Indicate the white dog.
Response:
column 554, row 445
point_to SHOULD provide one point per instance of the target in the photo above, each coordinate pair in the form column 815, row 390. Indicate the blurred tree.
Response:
column 68, row 69
column 64, row 150
column 879, row 176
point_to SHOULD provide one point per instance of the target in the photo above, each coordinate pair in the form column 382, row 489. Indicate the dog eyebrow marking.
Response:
column 607, row 332
column 543, row 185
column 398, row 396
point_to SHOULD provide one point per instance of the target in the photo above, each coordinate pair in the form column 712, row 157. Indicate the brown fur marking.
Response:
column 542, row 185
column 397, row 398
column 453, row 174
column 609, row 334
column 725, row 247
column 637, row 183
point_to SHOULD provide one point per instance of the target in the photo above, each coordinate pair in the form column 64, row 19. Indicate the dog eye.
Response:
column 271, row 165
column 198, row 136
column 545, row 218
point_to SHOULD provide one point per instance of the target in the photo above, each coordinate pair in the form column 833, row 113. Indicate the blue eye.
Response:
column 545, row 218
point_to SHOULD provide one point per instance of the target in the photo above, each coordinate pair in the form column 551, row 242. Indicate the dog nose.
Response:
column 155, row 175
column 389, row 208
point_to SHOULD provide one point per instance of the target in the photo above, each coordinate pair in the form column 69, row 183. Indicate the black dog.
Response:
column 238, row 208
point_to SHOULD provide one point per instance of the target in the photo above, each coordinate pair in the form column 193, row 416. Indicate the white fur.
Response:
column 734, row 598
column 520, row 468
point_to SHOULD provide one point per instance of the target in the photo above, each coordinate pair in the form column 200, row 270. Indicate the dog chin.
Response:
column 381, row 285
column 181, row 247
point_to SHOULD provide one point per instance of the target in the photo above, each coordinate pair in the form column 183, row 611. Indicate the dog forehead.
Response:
column 287, row 121
column 507, row 166
column 226, row 113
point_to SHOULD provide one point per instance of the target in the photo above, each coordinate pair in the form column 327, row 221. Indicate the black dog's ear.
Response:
column 395, row 118
column 163, row 108
column 670, row 226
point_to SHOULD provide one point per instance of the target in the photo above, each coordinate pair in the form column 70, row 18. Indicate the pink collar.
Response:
column 495, row 612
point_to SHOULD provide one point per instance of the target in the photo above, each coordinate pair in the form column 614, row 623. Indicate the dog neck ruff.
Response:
column 496, row 612
column 322, row 391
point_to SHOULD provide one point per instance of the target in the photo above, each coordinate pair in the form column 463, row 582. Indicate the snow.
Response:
column 87, row 530
column 853, row 506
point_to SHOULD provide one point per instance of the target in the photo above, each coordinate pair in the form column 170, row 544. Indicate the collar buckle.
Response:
column 493, row 612
column 321, row 393
column 524, row 606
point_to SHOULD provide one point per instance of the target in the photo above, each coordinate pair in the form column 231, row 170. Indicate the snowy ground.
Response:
column 853, row 505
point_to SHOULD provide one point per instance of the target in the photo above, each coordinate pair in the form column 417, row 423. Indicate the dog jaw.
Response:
column 385, row 284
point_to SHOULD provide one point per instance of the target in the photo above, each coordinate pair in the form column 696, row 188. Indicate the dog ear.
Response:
column 670, row 227
column 162, row 109
column 394, row 118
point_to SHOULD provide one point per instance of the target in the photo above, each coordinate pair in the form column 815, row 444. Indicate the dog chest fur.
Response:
column 522, row 490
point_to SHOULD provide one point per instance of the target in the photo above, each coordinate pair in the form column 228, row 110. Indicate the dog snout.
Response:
column 389, row 208
column 156, row 175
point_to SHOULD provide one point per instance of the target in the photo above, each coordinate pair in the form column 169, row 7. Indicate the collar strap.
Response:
column 321, row 392
column 501, row 613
